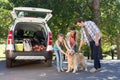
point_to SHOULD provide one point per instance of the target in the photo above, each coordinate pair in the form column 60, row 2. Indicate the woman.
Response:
column 72, row 38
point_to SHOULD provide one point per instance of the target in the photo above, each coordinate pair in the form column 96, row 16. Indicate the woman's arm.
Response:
column 68, row 40
column 77, row 35
column 66, row 45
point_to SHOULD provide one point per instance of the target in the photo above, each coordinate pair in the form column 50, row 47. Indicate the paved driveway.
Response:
column 110, row 71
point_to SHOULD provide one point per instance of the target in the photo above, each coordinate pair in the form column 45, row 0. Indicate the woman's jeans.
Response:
column 59, row 59
column 75, row 48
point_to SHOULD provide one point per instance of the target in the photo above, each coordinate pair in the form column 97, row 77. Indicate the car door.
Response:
column 19, row 12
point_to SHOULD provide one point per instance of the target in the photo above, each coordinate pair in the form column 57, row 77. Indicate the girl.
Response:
column 58, row 51
column 72, row 38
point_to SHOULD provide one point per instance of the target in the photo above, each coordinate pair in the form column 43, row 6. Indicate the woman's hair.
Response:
column 73, row 28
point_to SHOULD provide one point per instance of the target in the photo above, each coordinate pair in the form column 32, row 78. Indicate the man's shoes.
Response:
column 99, row 69
column 95, row 70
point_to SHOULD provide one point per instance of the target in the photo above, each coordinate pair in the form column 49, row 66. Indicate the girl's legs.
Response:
column 61, row 61
column 58, row 60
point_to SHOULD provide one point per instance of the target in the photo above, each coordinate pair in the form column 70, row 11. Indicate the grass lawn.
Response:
column 2, row 50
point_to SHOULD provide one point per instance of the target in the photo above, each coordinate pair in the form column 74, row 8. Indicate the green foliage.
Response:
column 110, row 18
column 110, row 22
column 5, row 19
column 65, row 13
column 5, row 22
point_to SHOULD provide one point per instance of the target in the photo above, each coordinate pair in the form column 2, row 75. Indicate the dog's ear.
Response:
column 79, row 53
column 73, row 52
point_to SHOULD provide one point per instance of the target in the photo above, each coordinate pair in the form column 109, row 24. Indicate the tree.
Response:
column 64, row 13
column 104, row 12
column 96, row 11
column 5, row 19
column 110, row 21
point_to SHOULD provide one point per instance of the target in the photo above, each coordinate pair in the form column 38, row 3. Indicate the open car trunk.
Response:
column 30, row 36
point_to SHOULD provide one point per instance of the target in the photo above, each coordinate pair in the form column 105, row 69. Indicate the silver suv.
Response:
column 29, row 38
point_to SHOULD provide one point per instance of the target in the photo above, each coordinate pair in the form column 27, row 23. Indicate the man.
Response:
column 91, row 34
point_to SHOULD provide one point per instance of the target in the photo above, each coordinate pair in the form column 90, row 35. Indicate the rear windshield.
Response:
column 30, row 14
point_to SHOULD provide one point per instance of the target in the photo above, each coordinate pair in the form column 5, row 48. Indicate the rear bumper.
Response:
column 45, row 54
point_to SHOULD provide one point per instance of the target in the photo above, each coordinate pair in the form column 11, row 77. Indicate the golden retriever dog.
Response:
column 75, row 60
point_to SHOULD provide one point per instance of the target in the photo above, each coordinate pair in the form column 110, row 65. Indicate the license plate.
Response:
column 30, row 58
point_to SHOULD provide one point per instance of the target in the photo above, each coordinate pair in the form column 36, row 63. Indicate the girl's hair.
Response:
column 60, row 35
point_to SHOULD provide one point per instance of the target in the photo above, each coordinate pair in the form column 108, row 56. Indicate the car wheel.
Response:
column 48, row 62
column 9, row 63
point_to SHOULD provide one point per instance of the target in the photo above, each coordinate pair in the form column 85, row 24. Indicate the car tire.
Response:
column 48, row 62
column 9, row 63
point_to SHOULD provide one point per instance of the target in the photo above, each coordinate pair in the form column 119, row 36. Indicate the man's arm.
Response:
column 81, row 43
column 97, row 31
column 96, row 40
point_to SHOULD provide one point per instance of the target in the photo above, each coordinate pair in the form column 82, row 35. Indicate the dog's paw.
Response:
column 81, row 69
column 67, row 71
column 74, row 71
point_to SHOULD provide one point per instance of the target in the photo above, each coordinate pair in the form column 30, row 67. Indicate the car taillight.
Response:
column 49, row 38
column 49, row 46
column 10, row 37
column 10, row 42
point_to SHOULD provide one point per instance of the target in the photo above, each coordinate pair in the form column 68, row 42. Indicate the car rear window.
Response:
column 30, row 14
